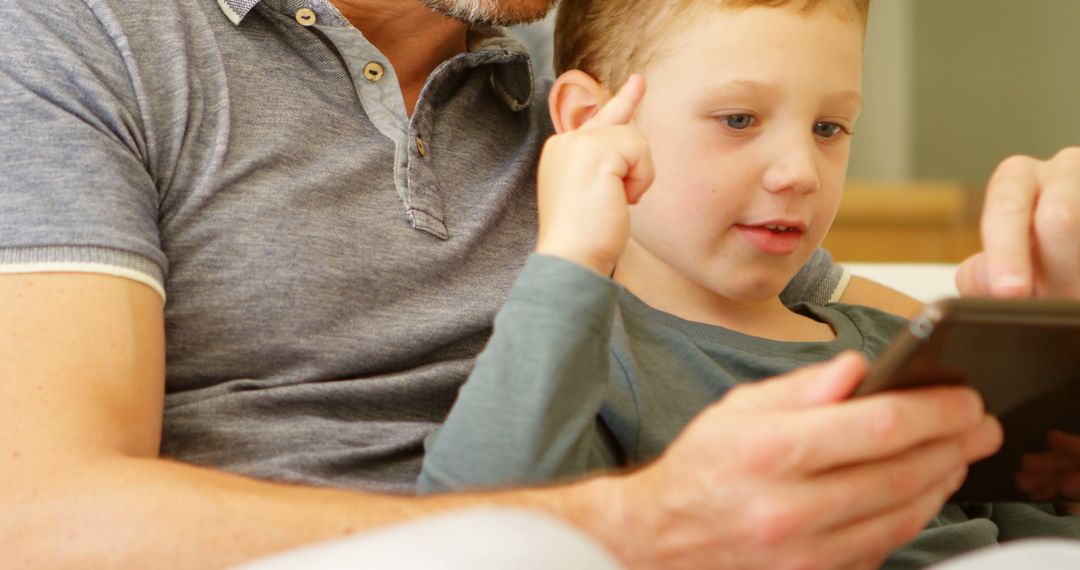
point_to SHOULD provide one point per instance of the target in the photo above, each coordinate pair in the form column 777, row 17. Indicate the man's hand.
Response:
column 785, row 474
column 1030, row 231
column 588, row 177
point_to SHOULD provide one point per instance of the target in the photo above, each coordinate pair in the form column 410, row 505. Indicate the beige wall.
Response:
column 883, row 142
column 954, row 86
column 993, row 78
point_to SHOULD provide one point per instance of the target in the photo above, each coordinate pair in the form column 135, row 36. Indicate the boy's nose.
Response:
column 792, row 169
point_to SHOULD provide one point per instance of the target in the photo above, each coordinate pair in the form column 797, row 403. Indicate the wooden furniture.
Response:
column 906, row 222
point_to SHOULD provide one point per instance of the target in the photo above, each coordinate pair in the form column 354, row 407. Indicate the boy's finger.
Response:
column 1065, row 442
column 620, row 108
column 640, row 177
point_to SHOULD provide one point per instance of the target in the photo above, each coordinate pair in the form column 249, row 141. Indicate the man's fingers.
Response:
column 884, row 425
column 1057, row 225
column 901, row 525
column 620, row 108
column 971, row 276
column 813, row 385
column 871, row 538
column 1006, row 227
column 863, row 491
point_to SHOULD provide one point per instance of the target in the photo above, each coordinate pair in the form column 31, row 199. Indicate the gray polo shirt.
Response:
column 331, row 266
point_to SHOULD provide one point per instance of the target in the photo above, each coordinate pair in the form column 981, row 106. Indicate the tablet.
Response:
column 1022, row 356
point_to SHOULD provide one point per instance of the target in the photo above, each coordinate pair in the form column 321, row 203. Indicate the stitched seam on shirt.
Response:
column 637, row 401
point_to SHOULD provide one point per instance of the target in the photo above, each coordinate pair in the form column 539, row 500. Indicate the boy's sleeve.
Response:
column 529, row 411
column 954, row 531
column 1030, row 520
column 818, row 282
column 962, row 528
column 76, row 193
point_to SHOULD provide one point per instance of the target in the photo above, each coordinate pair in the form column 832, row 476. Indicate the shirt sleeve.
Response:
column 529, row 411
column 961, row 528
column 818, row 282
column 76, row 189
column 1030, row 520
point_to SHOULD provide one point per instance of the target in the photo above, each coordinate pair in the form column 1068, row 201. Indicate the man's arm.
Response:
column 862, row 291
column 81, row 392
column 81, row 384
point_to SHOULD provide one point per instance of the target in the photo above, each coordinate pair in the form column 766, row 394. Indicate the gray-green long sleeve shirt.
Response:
column 580, row 375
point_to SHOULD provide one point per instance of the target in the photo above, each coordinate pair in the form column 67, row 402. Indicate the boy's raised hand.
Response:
column 587, row 178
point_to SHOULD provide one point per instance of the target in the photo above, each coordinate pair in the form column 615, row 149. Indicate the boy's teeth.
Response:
column 776, row 228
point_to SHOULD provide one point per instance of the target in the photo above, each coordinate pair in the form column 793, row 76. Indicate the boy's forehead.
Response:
column 750, row 51
column 759, row 29
column 690, row 12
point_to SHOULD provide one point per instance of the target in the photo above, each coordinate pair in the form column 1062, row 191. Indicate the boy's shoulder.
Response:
column 876, row 326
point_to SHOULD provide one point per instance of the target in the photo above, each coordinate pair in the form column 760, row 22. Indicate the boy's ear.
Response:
column 575, row 97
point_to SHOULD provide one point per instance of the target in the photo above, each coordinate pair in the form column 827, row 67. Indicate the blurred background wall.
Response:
column 991, row 78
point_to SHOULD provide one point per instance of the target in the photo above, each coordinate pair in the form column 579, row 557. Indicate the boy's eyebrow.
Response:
column 738, row 86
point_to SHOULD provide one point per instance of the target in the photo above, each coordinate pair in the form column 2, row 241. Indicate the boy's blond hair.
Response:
column 610, row 39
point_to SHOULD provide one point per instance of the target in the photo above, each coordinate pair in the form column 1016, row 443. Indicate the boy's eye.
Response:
column 739, row 122
column 827, row 130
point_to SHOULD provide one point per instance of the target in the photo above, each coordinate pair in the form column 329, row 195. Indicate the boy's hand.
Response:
column 1053, row 472
column 786, row 474
column 587, row 179
column 1030, row 231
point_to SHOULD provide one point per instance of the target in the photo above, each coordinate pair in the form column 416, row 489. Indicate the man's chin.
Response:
column 492, row 12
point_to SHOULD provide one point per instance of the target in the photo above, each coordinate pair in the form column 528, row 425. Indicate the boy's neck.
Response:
column 662, row 288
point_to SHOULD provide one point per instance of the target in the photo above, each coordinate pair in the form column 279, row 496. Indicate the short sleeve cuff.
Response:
column 83, row 259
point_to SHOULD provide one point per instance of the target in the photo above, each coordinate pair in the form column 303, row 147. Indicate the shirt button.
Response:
column 420, row 148
column 373, row 71
column 306, row 17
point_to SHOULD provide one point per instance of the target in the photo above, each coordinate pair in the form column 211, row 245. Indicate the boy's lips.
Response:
column 777, row 237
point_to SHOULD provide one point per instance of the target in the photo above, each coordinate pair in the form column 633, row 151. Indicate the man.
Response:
column 333, row 216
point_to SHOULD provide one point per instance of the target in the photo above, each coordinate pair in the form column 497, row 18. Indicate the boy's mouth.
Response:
column 774, row 238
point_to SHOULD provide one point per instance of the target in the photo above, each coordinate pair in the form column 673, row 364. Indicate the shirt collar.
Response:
column 235, row 10
column 513, row 80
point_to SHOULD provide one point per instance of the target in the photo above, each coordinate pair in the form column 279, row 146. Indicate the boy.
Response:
column 741, row 144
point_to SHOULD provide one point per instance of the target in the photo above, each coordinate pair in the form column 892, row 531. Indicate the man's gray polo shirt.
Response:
column 331, row 266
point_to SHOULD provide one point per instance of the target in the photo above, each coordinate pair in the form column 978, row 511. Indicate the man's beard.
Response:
column 492, row 12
